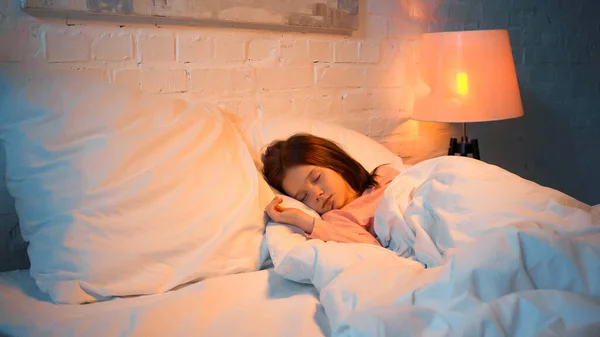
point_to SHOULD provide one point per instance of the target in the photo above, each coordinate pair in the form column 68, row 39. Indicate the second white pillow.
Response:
column 122, row 193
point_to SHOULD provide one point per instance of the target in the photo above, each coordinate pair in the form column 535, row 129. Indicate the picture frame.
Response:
column 335, row 16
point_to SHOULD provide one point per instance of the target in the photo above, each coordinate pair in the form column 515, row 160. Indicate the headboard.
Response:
column 13, row 249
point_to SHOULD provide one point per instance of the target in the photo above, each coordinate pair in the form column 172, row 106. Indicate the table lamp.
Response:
column 466, row 77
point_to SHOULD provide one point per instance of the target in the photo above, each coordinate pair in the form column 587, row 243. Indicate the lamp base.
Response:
column 464, row 147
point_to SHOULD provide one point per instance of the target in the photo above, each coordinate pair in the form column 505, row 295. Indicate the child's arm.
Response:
column 341, row 229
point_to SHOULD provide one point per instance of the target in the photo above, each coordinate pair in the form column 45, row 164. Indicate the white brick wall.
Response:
column 283, row 77
column 164, row 80
column 218, row 81
column 192, row 48
column 341, row 76
column 368, row 52
column 155, row 46
column 294, row 51
column 67, row 45
column 262, row 49
column 230, row 49
column 320, row 51
column 363, row 82
column 346, row 52
column 113, row 47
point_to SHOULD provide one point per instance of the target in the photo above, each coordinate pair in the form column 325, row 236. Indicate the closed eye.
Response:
column 317, row 178
column 303, row 197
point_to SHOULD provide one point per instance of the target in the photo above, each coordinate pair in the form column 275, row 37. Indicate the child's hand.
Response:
column 290, row 216
column 280, row 214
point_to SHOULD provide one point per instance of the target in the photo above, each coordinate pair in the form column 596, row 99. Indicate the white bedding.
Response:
column 470, row 250
column 251, row 304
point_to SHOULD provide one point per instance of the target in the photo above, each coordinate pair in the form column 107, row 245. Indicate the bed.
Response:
column 258, row 303
column 144, row 216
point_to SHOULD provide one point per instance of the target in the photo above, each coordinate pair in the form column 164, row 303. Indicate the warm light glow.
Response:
column 462, row 84
column 466, row 77
column 419, row 9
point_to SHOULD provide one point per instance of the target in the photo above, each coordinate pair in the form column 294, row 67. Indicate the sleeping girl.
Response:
column 321, row 175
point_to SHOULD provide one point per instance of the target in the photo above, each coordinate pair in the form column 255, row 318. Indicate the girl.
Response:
column 321, row 175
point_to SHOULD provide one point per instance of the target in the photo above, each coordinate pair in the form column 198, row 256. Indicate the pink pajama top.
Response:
column 353, row 223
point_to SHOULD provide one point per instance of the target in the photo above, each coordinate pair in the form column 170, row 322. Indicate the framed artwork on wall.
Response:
column 332, row 15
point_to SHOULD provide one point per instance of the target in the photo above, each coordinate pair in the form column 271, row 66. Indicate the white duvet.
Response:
column 469, row 249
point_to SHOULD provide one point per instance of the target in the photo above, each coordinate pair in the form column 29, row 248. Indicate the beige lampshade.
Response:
column 467, row 77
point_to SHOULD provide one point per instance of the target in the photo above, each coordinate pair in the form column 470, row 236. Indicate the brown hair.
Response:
column 306, row 149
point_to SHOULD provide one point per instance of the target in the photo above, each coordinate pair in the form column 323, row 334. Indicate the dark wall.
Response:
column 556, row 47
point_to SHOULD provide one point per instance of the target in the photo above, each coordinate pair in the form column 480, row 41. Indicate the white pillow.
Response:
column 365, row 150
column 123, row 193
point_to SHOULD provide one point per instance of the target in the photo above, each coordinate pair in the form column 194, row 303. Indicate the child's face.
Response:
column 320, row 188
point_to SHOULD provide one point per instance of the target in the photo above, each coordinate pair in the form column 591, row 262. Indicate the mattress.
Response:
column 251, row 304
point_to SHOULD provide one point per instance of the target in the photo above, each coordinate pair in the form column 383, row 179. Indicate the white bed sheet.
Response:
column 251, row 304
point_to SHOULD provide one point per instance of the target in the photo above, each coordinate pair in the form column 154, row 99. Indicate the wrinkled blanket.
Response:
column 469, row 249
